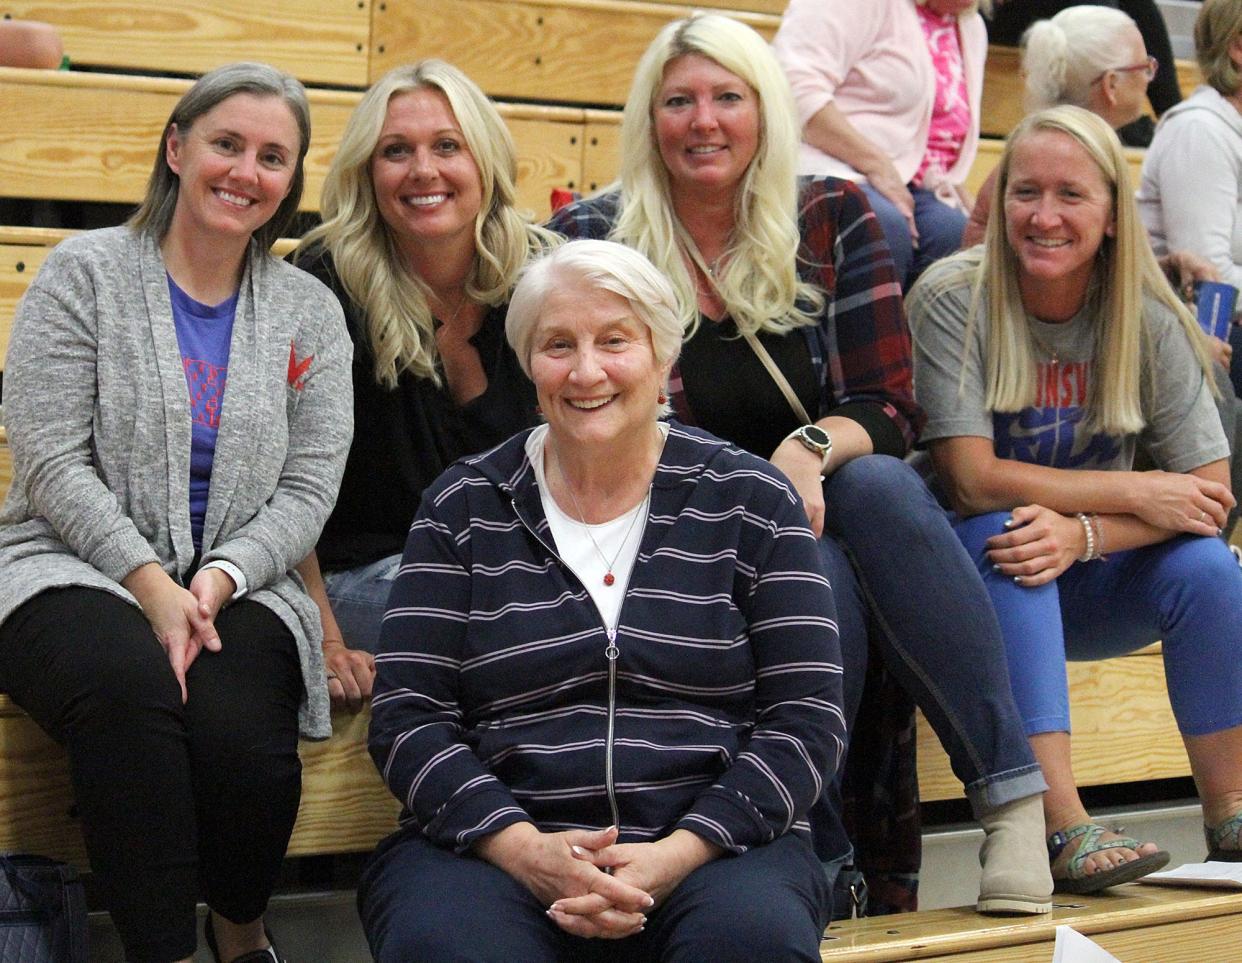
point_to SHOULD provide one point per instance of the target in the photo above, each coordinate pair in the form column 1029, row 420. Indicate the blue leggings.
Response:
column 940, row 231
column 1186, row 592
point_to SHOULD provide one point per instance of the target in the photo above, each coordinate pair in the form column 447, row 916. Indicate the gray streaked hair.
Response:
column 155, row 214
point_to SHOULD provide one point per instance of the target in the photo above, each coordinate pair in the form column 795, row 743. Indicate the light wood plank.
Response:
column 6, row 465
column 601, row 162
column 1187, row 941
column 324, row 41
column 1123, row 729
column 19, row 263
column 1182, row 913
column 1001, row 108
column 991, row 148
column 92, row 137
column 576, row 51
column 345, row 807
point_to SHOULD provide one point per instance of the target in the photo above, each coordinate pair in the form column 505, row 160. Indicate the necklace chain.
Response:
column 609, row 578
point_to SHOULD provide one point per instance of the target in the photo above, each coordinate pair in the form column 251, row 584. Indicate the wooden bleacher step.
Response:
column 1137, row 923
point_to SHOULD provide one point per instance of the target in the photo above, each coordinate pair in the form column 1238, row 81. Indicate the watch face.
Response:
column 817, row 436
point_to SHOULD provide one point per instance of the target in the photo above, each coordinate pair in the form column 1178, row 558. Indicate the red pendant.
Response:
column 609, row 578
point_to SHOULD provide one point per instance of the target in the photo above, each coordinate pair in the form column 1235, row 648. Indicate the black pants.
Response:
column 173, row 798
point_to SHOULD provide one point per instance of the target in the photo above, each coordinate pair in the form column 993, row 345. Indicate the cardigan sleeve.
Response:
column 816, row 51
column 799, row 735
column 868, row 364
column 416, row 735
column 51, row 380
column 320, row 425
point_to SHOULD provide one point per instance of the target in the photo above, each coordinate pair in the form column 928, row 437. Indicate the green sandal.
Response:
column 1078, row 881
column 1224, row 842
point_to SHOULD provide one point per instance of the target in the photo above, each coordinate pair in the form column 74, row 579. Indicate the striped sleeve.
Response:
column 799, row 735
column 416, row 716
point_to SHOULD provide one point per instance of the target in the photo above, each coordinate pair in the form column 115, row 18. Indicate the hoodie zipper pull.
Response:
column 611, row 652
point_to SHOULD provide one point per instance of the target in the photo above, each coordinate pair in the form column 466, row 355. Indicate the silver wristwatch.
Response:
column 814, row 438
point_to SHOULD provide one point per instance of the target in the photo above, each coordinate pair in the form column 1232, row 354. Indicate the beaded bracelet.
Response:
column 1089, row 553
column 1099, row 535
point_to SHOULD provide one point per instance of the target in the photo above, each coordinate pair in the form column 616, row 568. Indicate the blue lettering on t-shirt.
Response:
column 1054, row 435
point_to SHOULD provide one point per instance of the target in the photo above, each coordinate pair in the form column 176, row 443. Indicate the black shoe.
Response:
column 270, row 955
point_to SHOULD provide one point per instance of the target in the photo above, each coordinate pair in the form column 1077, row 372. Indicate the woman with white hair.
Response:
column 785, row 285
column 1089, row 56
column 888, row 95
column 1043, row 357
column 609, row 683
column 421, row 241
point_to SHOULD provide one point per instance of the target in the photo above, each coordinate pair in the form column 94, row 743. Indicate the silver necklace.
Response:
column 609, row 578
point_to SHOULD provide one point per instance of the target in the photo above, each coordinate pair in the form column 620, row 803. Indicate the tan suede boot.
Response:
column 1014, row 857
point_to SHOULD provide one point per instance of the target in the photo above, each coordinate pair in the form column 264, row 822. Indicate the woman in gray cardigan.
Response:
column 148, row 618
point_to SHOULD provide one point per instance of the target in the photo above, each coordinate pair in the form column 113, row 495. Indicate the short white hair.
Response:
column 604, row 265
column 1063, row 57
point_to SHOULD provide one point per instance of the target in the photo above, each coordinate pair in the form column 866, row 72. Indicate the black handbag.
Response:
column 42, row 911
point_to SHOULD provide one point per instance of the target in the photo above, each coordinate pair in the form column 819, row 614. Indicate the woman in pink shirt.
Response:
column 891, row 101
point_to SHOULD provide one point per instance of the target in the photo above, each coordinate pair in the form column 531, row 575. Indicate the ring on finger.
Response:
column 333, row 677
column 1202, row 515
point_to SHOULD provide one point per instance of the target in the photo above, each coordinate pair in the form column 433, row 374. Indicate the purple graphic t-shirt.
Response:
column 203, row 335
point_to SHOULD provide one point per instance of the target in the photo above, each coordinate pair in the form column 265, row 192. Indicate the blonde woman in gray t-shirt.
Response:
column 1041, row 359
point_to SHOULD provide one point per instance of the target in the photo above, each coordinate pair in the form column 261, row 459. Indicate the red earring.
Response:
column 662, row 398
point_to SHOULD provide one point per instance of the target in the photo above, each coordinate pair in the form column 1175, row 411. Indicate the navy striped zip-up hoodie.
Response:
column 719, row 711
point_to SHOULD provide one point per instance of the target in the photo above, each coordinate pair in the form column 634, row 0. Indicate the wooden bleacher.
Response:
column 1136, row 923
column 90, row 137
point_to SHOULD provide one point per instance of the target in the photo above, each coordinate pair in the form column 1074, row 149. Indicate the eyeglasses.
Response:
column 1148, row 66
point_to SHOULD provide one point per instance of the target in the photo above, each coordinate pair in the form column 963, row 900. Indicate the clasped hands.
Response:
column 593, row 886
column 1039, row 543
column 183, row 619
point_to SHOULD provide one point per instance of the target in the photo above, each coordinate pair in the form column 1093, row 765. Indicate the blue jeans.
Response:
column 420, row 902
column 940, row 231
column 359, row 597
column 901, row 579
column 1186, row 592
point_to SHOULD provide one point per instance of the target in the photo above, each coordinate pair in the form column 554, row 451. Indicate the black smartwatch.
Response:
column 813, row 438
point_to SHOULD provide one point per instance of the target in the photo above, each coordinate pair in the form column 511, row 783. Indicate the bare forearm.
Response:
column 1005, row 484
column 830, row 130
column 308, row 568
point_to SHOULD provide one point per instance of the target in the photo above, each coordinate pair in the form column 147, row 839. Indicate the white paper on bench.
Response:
column 1073, row 947
column 1216, row 874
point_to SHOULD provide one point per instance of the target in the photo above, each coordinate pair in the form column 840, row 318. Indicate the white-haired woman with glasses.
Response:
column 1088, row 55
column 422, row 241
column 888, row 94
column 1043, row 358
column 609, row 683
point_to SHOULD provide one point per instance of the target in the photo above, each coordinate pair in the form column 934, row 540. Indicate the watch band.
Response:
column 822, row 445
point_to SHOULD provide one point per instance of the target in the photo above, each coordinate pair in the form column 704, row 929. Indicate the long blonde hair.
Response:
column 1125, row 272
column 399, row 326
column 759, row 281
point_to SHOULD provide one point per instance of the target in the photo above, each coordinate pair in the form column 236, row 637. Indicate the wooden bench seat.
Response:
column 575, row 51
column 1136, row 923
column 92, row 137
column 325, row 41
column 1123, row 728
column 345, row 807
